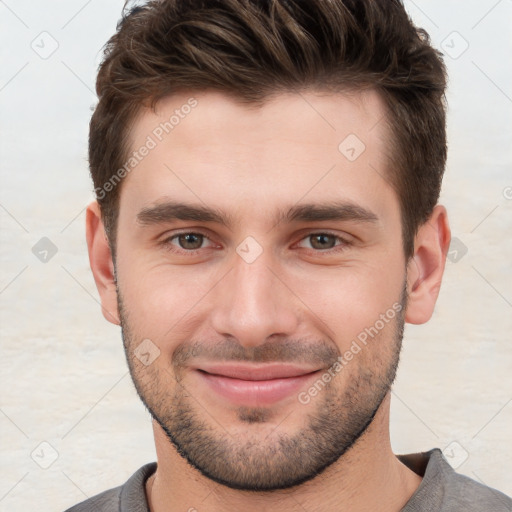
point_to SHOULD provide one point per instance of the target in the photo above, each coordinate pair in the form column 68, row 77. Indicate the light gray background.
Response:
column 64, row 377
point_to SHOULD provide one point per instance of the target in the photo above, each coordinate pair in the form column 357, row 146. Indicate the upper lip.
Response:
column 253, row 372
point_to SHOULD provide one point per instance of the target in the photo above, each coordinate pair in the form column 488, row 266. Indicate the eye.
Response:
column 191, row 242
column 326, row 242
column 185, row 242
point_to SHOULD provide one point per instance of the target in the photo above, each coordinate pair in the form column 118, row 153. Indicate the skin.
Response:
column 295, row 302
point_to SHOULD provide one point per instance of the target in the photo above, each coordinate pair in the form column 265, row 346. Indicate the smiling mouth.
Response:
column 255, row 385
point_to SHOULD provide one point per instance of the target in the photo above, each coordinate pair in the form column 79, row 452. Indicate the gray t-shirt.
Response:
column 441, row 490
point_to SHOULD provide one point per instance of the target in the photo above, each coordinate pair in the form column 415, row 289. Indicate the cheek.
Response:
column 352, row 299
column 162, row 301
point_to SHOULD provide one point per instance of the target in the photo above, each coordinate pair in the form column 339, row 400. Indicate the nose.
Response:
column 252, row 303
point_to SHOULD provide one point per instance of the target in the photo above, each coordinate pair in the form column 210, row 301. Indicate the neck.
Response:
column 367, row 477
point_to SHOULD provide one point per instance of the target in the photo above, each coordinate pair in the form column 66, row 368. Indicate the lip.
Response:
column 255, row 385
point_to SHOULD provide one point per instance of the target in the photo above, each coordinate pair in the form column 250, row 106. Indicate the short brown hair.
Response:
column 252, row 49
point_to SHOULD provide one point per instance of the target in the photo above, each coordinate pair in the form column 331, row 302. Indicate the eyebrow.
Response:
column 169, row 211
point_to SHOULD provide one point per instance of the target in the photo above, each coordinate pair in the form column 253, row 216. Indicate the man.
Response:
column 267, row 176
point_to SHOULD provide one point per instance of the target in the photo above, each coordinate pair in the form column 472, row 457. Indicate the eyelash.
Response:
column 166, row 243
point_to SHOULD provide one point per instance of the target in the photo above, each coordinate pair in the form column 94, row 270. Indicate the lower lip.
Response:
column 255, row 392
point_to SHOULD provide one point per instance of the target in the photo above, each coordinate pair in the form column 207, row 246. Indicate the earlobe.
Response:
column 426, row 267
column 102, row 266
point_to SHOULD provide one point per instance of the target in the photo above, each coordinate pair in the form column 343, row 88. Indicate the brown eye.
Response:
column 190, row 241
column 187, row 243
column 322, row 241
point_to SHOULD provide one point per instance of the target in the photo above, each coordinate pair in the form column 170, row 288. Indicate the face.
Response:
column 261, row 282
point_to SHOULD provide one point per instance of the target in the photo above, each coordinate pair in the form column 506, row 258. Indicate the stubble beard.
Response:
column 253, row 458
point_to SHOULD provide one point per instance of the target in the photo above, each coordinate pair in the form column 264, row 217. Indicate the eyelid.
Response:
column 345, row 241
column 167, row 240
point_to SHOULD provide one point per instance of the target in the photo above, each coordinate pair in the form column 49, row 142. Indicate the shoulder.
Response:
column 467, row 494
column 131, row 496
column 444, row 490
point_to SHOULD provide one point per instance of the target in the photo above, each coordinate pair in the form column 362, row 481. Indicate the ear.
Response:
column 425, row 269
column 100, row 259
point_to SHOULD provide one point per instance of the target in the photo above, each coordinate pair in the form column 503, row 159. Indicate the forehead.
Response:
column 208, row 147
column 299, row 115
